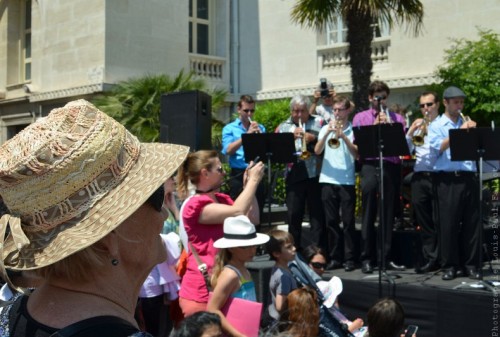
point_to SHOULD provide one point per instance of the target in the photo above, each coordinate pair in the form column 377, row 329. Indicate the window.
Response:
column 199, row 27
column 336, row 31
column 26, row 42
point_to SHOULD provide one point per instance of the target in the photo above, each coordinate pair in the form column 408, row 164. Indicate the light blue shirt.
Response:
column 230, row 133
column 438, row 131
column 425, row 158
column 338, row 164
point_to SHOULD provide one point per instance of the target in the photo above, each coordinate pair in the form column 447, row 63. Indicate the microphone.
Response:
column 378, row 98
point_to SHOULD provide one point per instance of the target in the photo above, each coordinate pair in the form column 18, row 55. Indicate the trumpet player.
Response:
column 232, row 146
column 302, row 185
column 457, row 193
column 422, row 184
column 378, row 93
column 337, row 180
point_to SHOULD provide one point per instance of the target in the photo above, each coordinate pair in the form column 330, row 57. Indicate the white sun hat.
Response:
column 240, row 232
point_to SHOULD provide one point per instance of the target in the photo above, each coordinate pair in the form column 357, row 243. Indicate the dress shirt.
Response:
column 425, row 158
column 230, row 133
column 438, row 131
column 367, row 117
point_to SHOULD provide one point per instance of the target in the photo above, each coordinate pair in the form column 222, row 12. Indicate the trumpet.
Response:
column 250, row 121
column 304, row 155
column 421, row 132
column 465, row 119
column 334, row 142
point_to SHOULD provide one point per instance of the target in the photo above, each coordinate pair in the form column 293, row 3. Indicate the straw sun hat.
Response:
column 72, row 177
column 240, row 232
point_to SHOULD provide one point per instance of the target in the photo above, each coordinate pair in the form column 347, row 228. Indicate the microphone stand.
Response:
column 382, row 274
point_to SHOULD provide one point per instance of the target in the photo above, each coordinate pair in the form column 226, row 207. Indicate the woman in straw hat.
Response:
column 203, row 215
column 85, row 213
column 230, row 276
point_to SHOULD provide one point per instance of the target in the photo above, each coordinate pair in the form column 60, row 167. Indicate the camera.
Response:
column 323, row 84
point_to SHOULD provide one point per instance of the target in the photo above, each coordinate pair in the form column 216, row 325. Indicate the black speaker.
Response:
column 186, row 119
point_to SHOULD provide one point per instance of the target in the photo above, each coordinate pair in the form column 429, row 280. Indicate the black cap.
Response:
column 451, row 92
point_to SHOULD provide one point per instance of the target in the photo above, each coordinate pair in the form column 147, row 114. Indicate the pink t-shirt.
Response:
column 202, row 237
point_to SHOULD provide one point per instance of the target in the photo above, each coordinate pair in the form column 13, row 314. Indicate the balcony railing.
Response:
column 211, row 68
column 337, row 56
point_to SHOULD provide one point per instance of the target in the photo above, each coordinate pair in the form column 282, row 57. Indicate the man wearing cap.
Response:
column 456, row 186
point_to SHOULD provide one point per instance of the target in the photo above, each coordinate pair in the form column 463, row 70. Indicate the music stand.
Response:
column 476, row 144
column 275, row 147
column 376, row 142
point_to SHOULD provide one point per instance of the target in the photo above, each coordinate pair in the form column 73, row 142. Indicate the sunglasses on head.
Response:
column 156, row 199
column 426, row 105
column 318, row 265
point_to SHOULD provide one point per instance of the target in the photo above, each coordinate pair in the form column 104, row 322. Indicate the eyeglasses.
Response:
column 156, row 199
column 318, row 265
column 248, row 110
column 426, row 105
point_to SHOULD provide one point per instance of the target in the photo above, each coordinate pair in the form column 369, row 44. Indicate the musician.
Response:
column 232, row 146
column 378, row 92
column 302, row 183
column 422, row 188
column 457, row 193
column 337, row 181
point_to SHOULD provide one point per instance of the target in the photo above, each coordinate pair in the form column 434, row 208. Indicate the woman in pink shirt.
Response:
column 203, row 216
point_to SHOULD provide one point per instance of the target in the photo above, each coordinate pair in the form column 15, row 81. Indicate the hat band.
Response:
column 240, row 236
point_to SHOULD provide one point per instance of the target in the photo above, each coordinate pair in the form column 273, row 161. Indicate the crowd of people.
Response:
column 96, row 235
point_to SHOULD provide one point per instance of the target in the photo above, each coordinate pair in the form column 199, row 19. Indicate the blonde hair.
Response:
column 221, row 259
column 80, row 267
column 303, row 312
column 190, row 170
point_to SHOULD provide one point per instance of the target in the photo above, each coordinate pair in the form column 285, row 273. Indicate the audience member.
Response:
column 281, row 249
column 203, row 215
column 302, row 185
column 303, row 313
column 232, row 145
column 230, row 277
column 386, row 318
column 324, row 110
column 457, row 194
column 200, row 324
column 423, row 192
column 86, row 214
column 337, row 179
column 315, row 258
column 171, row 223
column 378, row 113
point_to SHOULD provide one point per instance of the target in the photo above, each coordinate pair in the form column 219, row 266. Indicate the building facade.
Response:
column 55, row 51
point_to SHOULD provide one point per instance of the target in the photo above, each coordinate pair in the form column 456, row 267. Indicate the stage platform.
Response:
column 457, row 308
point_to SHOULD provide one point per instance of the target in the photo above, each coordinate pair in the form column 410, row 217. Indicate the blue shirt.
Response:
column 425, row 158
column 231, row 133
column 438, row 131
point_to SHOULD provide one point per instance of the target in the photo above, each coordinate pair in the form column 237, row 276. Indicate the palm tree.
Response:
column 360, row 15
column 135, row 103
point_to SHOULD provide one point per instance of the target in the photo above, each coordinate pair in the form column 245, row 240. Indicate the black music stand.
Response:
column 379, row 141
column 476, row 144
column 275, row 147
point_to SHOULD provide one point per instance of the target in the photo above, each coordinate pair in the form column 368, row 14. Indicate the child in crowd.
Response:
column 281, row 249
column 200, row 324
column 303, row 313
column 230, row 277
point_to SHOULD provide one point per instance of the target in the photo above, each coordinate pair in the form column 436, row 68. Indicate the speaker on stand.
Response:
column 186, row 119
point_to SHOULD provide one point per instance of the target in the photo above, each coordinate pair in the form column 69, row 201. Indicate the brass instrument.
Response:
column 334, row 142
column 304, row 155
column 250, row 121
column 465, row 119
column 421, row 132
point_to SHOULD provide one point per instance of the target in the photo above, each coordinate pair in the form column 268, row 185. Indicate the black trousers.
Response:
column 297, row 195
column 236, row 186
column 458, row 201
column 424, row 205
column 370, row 202
column 339, row 202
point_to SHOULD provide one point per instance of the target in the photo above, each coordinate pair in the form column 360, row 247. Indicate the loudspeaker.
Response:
column 186, row 119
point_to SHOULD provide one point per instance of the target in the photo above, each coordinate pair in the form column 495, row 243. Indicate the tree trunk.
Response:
column 360, row 36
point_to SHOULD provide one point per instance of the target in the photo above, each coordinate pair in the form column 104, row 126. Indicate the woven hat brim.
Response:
column 231, row 243
column 156, row 163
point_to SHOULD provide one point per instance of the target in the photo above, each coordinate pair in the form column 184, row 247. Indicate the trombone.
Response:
column 421, row 132
column 334, row 142
column 304, row 154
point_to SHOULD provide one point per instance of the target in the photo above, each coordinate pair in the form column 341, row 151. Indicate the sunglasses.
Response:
column 318, row 265
column 248, row 110
column 156, row 199
column 426, row 105
column 220, row 169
